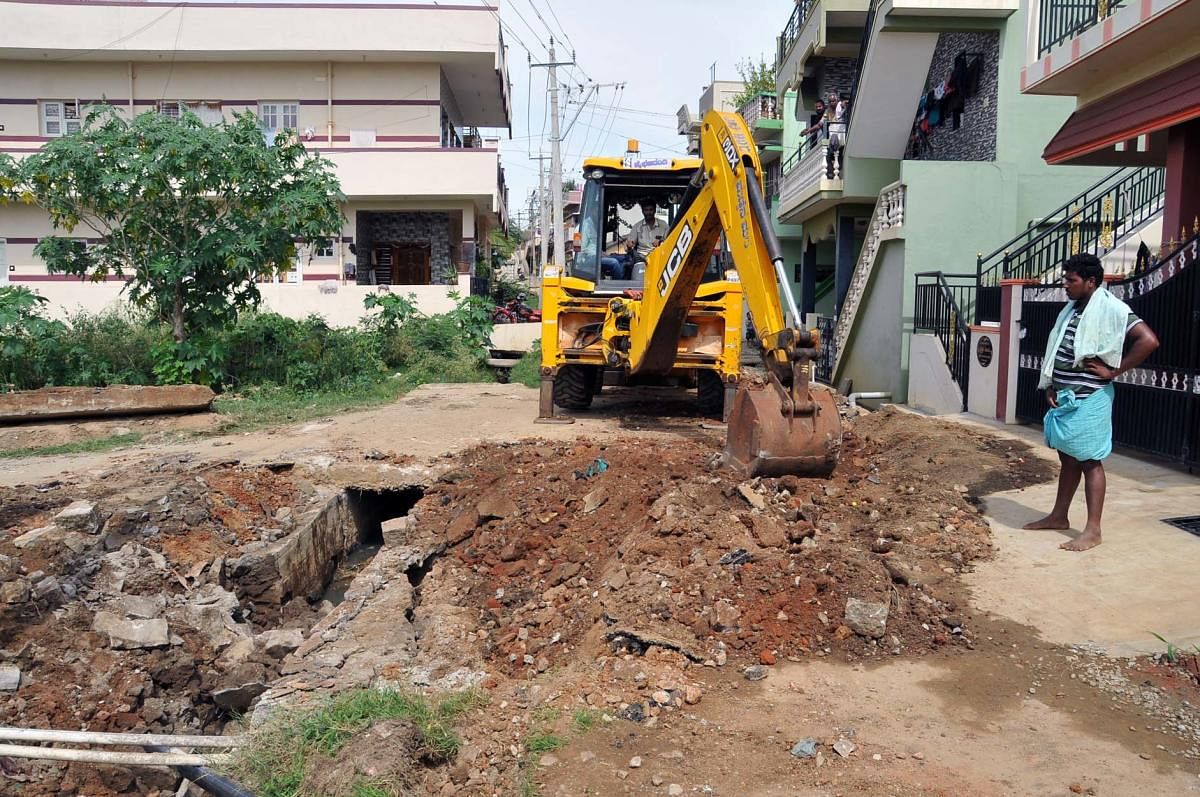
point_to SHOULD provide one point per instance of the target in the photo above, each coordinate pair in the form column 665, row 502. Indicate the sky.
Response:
column 661, row 50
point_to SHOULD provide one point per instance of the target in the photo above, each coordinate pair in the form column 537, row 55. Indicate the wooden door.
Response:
column 411, row 264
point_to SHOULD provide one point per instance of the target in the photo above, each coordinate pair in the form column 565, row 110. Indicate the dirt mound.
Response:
column 386, row 754
column 574, row 549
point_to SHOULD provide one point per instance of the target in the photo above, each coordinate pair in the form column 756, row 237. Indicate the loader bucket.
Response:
column 762, row 441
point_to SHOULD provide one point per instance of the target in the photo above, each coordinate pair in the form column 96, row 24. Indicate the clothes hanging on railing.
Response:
column 946, row 99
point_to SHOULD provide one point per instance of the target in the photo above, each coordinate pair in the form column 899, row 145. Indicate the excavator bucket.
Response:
column 763, row 441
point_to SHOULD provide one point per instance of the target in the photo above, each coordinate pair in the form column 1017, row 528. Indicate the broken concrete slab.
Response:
column 103, row 402
column 81, row 516
column 10, row 678
column 132, row 634
column 38, row 537
column 141, row 607
column 496, row 506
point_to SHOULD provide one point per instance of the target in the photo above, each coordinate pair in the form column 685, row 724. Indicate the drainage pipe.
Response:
column 164, row 759
column 876, row 394
column 131, row 739
column 206, row 779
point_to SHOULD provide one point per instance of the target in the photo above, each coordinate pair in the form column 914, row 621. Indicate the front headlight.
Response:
column 731, row 275
column 552, row 272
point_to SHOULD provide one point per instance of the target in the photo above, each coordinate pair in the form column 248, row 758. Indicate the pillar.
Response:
column 844, row 257
column 1010, row 349
column 808, row 279
column 1182, row 202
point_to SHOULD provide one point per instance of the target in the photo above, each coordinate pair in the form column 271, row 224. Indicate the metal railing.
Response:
column 824, row 364
column 940, row 307
column 787, row 37
column 762, row 106
column 1061, row 20
column 1093, row 221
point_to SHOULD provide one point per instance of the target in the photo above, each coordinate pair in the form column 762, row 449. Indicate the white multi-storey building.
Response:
column 394, row 94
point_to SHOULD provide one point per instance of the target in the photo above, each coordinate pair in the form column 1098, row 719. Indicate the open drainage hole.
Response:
column 369, row 508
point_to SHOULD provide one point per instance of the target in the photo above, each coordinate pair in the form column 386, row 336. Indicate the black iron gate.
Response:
column 1157, row 406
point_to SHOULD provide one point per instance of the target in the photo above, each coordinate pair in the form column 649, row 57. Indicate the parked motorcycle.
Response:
column 515, row 311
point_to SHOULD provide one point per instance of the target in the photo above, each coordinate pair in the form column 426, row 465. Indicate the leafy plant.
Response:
column 527, row 371
column 394, row 311
column 191, row 214
column 1172, row 652
column 757, row 78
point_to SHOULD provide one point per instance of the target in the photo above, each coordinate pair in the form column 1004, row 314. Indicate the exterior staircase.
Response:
column 887, row 223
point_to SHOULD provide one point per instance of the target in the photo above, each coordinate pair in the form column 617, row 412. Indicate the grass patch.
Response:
column 544, row 742
column 270, row 405
column 275, row 763
column 584, row 719
column 527, row 370
column 80, row 447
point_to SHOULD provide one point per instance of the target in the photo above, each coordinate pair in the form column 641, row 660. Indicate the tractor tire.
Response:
column 597, row 380
column 573, row 387
column 710, row 393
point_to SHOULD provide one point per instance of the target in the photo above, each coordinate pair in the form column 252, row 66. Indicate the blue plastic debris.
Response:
column 598, row 466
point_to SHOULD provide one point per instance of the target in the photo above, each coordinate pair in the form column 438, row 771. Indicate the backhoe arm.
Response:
column 725, row 196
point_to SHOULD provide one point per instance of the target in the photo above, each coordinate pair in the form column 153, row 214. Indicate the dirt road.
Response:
column 704, row 626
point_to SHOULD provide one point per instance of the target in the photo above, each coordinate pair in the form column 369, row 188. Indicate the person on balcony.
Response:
column 815, row 131
column 1084, row 354
column 838, row 108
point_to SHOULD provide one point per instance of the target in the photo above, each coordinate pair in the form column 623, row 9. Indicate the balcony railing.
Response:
column 764, row 106
column 1061, row 20
column 810, row 168
column 787, row 37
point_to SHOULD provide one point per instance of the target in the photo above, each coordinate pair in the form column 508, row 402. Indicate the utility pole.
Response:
column 560, row 248
column 543, row 221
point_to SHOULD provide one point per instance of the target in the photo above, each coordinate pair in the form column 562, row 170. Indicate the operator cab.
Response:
column 613, row 193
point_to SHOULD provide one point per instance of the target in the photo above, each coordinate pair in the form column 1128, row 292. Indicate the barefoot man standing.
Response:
column 1085, row 352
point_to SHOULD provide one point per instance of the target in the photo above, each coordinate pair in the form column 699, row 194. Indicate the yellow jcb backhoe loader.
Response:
column 678, row 311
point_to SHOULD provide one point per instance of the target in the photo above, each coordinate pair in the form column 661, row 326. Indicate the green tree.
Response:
column 757, row 79
column 192, row 215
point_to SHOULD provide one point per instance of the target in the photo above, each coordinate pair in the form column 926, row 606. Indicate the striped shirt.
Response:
column 1068, row 376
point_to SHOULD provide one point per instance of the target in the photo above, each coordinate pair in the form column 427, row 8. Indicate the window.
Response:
column 209, row 112
column 324, row 251
column 279, row 115
column 60, row 117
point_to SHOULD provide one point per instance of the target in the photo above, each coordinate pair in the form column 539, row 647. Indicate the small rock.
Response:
column 238, row 698
column 548, row 760
column 752, row 498
column 766, row 657
column 496, row 506
column 656, row 780
column 79, row 516
column 805, row 748
column 618, row 579
column 10, row 678
column 675, row 790
column 662, row 697
column 587, row 756
column 692, row 694
column 278, row 643
column 726, row 614
column 866, row 618
column 46, row 587
column 635, row 762
column 832, row 491
column 755, row 672
column 142, row 607
column 594, row 500
column 621, row 774
column 16, row 591
column 843, row 747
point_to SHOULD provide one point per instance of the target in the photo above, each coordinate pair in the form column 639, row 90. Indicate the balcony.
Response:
column 763, row 117
column 791, row 31
column 388, row 173
column 1061, row 20
column 809, row 182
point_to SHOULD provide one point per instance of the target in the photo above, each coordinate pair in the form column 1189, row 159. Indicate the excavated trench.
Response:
column 235, row 574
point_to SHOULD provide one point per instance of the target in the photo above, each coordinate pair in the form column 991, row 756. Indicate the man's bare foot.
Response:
column 1090, row 538
column 1048, row 522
